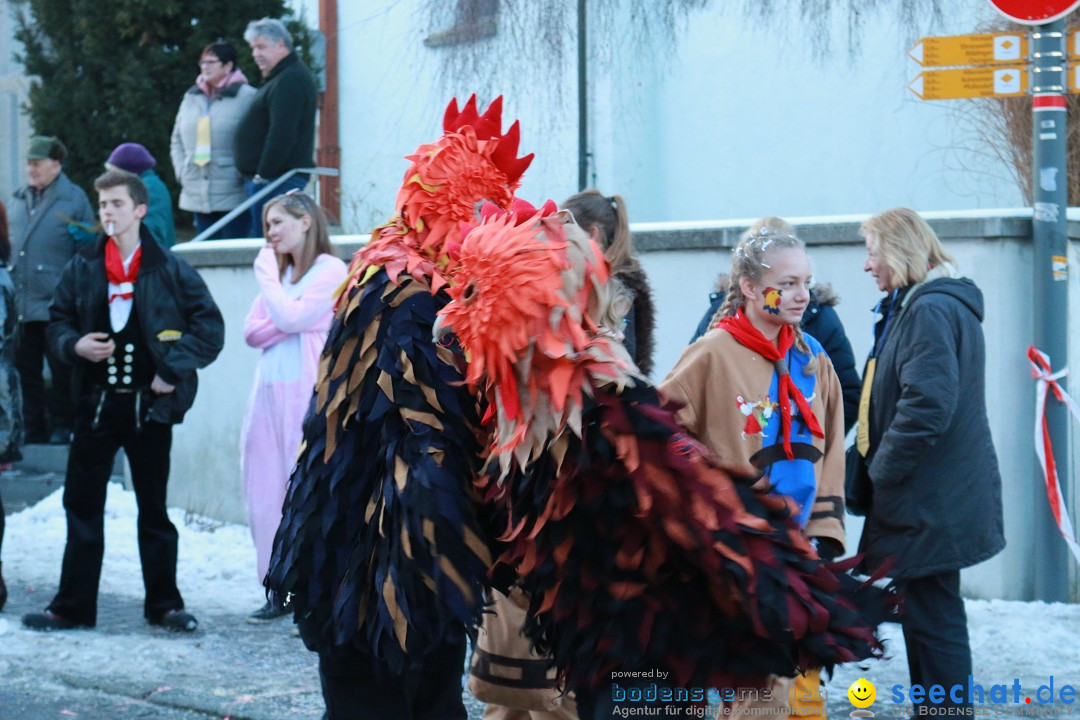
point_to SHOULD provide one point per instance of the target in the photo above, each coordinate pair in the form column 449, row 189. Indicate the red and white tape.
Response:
column 1047, row 380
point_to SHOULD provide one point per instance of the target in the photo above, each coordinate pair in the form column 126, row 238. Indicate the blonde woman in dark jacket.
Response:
column 203, row 137
column 936, row 505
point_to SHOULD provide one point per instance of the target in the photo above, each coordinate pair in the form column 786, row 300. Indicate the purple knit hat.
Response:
column 132, row 157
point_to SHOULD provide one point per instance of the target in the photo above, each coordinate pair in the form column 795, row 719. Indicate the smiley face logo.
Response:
column 862, row 693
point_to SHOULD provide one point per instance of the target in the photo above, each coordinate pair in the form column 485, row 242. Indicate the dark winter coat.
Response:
column 936, row 487
column 42, row 241
column 640, row 321
column 820, row 321
column 179, row 321
column 278, row 132
column 11, row 423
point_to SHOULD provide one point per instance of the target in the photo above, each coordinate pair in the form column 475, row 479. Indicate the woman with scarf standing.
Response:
column 764, row 397
column 202, row 141
column 935, row 505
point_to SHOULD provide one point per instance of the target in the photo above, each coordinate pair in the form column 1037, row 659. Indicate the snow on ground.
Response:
column 1010, row 640
column 226, row 665
column 1026, row 641
column 215, row 572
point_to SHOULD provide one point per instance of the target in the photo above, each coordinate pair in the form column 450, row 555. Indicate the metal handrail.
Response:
column 271, row 185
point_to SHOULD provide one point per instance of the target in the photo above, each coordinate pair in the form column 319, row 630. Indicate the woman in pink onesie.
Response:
column 298, row 277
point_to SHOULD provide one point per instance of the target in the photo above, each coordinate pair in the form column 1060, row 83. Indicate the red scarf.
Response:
column 114, row 270
column 740, row 328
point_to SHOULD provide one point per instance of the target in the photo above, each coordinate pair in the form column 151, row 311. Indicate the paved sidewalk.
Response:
column 227, row 669
column 124, row 668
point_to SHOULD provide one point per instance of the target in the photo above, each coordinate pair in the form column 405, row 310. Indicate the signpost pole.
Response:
column 1050, row 240
column 583, row 97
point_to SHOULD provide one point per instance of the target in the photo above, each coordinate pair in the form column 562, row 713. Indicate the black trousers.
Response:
column 936, row 636
column 104, row 423
column 357, row 686
column 30, row 356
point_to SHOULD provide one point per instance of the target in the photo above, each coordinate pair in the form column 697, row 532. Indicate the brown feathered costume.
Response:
column 638, row 550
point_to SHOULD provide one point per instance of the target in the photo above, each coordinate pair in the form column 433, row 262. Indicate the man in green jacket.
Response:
column 278, row 132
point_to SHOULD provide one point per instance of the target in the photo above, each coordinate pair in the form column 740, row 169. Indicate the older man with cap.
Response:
column 278, row 132
column 137, row 160
column 45, row 218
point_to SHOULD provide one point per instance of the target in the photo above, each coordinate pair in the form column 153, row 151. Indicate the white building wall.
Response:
column 742, row 121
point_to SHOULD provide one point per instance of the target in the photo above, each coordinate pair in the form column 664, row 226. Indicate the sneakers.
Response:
column 267, row 613
column 177, row 621
column 48, row 620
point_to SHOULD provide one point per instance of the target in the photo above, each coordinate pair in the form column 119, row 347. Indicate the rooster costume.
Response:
column 638, row 550
column 380, row 552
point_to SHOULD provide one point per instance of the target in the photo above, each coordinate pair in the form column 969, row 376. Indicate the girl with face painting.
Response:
column 764, row 397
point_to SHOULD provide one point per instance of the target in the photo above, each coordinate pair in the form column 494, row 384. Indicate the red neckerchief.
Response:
column 114, row 270
column 740, row 328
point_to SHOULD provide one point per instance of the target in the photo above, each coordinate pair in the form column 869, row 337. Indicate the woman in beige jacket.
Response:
column 202, row 142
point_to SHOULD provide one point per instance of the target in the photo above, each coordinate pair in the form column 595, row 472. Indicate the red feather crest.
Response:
column 528, row 290
column 473, row 162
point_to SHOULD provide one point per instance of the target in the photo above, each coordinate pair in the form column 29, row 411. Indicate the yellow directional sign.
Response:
column 1074, row 79
column 1074, row 44
column 963, row 83
column 985, row 49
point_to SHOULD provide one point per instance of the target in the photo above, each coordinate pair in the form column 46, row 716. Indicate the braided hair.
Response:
column 749, row 259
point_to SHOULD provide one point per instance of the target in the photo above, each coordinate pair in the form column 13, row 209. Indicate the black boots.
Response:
column 3, row 587
column 47, row 620
column 268, row 613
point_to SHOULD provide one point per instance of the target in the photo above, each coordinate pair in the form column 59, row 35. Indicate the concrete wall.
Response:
column 682, row 261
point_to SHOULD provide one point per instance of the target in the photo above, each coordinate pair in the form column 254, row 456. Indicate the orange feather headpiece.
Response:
column 528, row 291
column 474, row 161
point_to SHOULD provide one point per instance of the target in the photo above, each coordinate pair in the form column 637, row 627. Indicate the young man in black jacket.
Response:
column 136, row 322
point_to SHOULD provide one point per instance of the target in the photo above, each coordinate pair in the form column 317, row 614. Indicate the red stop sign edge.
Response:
column 1035, row 12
